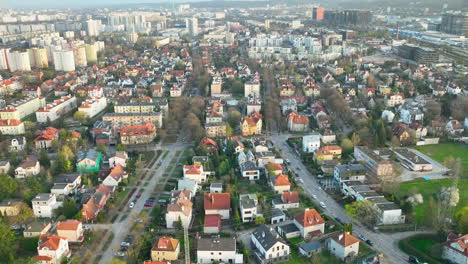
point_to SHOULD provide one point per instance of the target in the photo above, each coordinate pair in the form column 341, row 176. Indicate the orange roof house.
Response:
column 217, row 203
column 71, row 229
column 209, row 145
column 51, row 249
column 96, row 202
column 328, row 153
column 290, row 197
column 310, row 223
column 165, row 249
column 281, row 183
column 343, row 245
column 252, row 125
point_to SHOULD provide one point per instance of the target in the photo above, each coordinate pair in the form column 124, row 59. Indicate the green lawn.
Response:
column 122, row 195
column 429, row 189
column 441, row 151
column 426, row 246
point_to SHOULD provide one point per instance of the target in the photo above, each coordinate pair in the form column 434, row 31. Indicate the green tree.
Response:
column 259, row 220
column 120, row 147
column 64, row 159
column 44, row 159
column 80, row 116
column 8, row 186
column 229, row 131
column 347, row 146
column 364, row 210
column 7, row 247
column 237, row 220
column 461, row 220
column 101, row 148
column 234, row 117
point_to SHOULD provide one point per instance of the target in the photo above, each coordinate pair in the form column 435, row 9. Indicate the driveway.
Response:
column 385, row 243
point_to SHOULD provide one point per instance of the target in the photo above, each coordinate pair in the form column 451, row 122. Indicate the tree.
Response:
column 44, row 159
column 237, row 220
column 459, row 108
column 355, row 139
column 364, row 210
column 234, row 117
column 8, row 186
column 461, row 220
column 101, row 148
column 455, row 165
column 347, row 146
column 116, row 261
column 259, row 220
column 120, row 147
column 7, row 247
column 80, row 116
column 229, row 130
column 64, row 159
column 348, row 228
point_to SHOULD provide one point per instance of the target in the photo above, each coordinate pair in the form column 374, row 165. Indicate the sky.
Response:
column 76, row 3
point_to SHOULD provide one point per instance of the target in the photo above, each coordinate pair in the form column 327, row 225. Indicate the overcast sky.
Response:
column 76, row 3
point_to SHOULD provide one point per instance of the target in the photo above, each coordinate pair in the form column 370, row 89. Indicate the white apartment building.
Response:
column 218, row 250
column 252, row 89
column 93, row 106
column 92, row 27
column 19, row 61
column 56, row 109
column 11, row 127
column 64, row 60
column 22, row 108
column 38, row 57
column 4, row 59
column 44, row 204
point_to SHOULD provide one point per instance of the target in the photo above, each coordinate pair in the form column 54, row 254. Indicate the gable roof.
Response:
column 70, row 224
column 212, row 220
column 290, row 197
column 281, row 180
column 217, row 201
column 166, row 244
column 266, row 237
column 51, row 242
column 345, row 239
column 309, row 217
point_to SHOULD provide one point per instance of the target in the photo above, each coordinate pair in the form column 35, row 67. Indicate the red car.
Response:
column 138, row 195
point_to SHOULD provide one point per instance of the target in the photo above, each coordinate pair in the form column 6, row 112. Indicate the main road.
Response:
column 386, row 243
column 122, row 228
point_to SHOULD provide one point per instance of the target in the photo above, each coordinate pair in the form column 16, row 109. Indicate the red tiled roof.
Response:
column 205, row 142
column 43, row 258
column 297, row 118
column 117, row 172
column 68, row 225
column 290, row 197
column 166, row 244
column 309, row 217
column 217, row 201
column 51, row 242
column 145, row 129
column 345, row 239
column 192, row 169
column 212, row 220
column 10, row 122
column 282, row 180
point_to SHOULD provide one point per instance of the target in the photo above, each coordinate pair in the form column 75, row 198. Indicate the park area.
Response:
column 431, row 188
column 427, row 247
column 439, row 152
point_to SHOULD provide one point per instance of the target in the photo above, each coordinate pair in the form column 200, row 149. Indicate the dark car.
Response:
column 414, row 260
column 148, row 203
column 138, row 195
column 369, row 242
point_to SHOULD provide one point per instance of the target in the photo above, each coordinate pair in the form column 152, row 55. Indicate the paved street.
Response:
column 121, row 229
column 386, row 243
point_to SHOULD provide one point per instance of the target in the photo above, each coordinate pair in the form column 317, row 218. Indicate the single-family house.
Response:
column 455, row 249
column 269, row 247
column 72, row 230
column 44, row 204
column 343, row 245
column 310, row 223
column 221, row 249
column 165, row 249
column 28, row 167
column 52, row 249
column 281, row 183
column 179, row 208
column 249, row 207
column 217, row 203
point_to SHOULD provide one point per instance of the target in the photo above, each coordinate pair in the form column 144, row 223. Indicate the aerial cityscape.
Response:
column 234, row 131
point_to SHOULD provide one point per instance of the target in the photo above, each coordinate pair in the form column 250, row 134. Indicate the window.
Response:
column 212, row 253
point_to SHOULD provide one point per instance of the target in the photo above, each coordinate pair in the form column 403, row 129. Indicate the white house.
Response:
column 343, row 245
column 43, row 204
column 455, row 249
column 28, row 167
column 120, row 157
column 187, row 184
column 249, row 207
column 52, row 249
column 395, row 99
column 180, row 207
column 388, row 116
column 195, row 172
column 311, row 143
column 249, row 170
column 288, row 200
column 310, row 223
column 116, row 175
column 219, row 250
column 269, row 246
column 18, row 143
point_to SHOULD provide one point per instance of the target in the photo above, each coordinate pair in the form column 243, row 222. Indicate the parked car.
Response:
column 314, row 196
column 322, row 204
column 131, row 205
column 148, row 203
column 124, row 244
column 138, row 195
column 361, row 237
column 369, row 242
column 414, row 260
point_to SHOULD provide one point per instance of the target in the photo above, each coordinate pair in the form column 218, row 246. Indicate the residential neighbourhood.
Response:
column 234, row 132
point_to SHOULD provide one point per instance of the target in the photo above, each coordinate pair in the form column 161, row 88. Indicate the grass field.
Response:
column 430, row 189
column 441, row 151
column 427, row 247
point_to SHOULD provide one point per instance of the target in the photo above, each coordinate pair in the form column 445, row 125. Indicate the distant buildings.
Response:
column 354, row 17
column 418, row 54
column 318, row 13
column 192, row 26
column 64, row 60
column 56, row 109
column 455, row 22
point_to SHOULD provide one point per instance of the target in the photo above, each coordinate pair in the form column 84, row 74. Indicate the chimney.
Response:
column 212, row 199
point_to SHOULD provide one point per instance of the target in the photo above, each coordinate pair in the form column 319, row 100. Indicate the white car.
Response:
column 314, row 196
column 323, row 205
column 131, row 205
